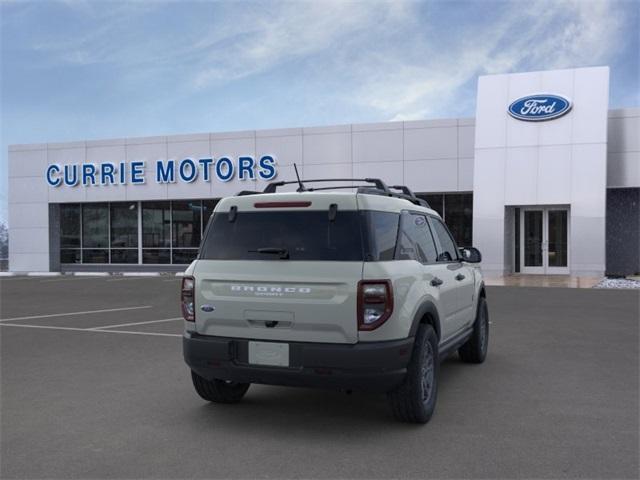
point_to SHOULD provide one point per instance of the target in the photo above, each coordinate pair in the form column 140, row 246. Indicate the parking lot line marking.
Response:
column 126, row 278
column 136, row 323
column 31, row 317
column 71, row 279
column 74, row 329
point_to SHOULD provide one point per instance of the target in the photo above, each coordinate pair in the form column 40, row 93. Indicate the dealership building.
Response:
column 544, row 180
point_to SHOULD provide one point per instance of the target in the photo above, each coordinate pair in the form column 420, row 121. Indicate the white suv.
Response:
column 343, row 289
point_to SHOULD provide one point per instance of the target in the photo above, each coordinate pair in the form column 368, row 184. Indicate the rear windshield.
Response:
column 291, row 235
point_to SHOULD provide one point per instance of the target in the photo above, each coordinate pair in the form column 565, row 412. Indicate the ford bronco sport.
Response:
column 356, row 289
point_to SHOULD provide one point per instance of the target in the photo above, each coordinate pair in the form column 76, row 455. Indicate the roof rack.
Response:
column 409, row 195
column 379, row 184
column 376, row 187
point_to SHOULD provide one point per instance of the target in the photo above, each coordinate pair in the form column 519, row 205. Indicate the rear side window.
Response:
column 415, row 241
column 304, row 235
column 447, row 251
column 380, row 235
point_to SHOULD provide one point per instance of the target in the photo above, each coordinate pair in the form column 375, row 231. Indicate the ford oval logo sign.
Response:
column 536, row 108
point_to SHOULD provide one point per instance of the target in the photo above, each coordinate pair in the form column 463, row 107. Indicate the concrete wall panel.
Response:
column 326, row 148
column 378, row 146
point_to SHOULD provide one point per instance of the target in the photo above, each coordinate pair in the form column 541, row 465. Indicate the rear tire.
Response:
column 219, row 391
column 415, row 399
column 475, row 349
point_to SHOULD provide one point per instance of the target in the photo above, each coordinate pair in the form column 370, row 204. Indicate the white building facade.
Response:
column 545, row 179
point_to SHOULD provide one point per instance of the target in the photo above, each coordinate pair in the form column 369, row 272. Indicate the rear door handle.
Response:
column 460, row 277
column 436, row 282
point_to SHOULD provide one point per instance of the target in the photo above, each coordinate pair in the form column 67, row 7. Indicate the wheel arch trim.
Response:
column 427, row 308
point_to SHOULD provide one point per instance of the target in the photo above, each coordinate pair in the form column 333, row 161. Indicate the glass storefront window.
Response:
column 435, row 201
column 184, row 255
column 109, row 233
column 458, row 212
column 95, row 225
column 456, row 209
column 186, row 223
column 70, row 226
column 70, row 255
column 207, row 209
column 156, row 224
column 124, row 225
column 95, row 256
column 128, row 255
column 156, row 255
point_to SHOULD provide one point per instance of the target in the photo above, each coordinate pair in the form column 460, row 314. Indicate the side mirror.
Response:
column 470, row 254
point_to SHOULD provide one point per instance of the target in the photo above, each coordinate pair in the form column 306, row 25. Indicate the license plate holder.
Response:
column 273, row 354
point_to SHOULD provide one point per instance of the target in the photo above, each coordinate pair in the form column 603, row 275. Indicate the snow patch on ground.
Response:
column 618, row 283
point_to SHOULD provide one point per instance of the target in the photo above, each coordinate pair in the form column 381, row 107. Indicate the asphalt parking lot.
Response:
column 104, row 393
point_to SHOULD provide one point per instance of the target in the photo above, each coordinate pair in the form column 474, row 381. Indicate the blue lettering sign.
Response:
column 71, row 175
column 88, row 174
column 137, row 173
column 166, row 171
column 267, row 167
column 106, row 173
column 224, row 169
column 165, row 174
column 51, row 180
column 206, row 168
column 189, row 174
column 246, row 168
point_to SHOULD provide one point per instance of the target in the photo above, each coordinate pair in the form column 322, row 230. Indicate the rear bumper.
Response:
column 371, row 366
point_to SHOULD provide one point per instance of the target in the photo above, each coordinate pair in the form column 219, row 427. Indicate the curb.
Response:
column 91, row 274
column 140, row 274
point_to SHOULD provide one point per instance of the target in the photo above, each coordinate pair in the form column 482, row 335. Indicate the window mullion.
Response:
column 139, row 233
column 81, row 233
column 109, row 232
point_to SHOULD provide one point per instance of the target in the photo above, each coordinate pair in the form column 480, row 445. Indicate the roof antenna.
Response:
column 301, row 186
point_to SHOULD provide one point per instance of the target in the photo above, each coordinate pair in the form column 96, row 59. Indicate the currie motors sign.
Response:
column 187, row 170
column 540, row 107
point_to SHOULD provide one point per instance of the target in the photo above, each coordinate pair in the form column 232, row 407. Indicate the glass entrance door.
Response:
column 544, row 235
column 532, row 236
column 557, row 241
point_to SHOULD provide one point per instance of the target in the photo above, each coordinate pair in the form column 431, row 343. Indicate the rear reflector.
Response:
column 281, row 204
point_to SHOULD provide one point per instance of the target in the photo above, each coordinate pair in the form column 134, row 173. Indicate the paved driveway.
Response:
column 93, row 386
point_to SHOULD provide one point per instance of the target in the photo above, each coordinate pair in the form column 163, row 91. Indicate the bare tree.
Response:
column 4, row 241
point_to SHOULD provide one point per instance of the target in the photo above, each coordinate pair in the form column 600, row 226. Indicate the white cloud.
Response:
column 389, row 56
column 539, row 35
column 263, row 40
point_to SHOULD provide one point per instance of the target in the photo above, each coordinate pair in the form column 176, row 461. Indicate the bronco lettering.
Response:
column 269, row 289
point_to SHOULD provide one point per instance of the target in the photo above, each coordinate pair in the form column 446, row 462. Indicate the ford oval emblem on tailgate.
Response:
column 207, row 308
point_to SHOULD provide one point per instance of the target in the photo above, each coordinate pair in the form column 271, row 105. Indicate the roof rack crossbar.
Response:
column 404, row 189
column 407, row 191
column 334, row 187
column 273, row 186
column 378, row 187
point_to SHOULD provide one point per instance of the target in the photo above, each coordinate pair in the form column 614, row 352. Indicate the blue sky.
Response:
column 75, row 70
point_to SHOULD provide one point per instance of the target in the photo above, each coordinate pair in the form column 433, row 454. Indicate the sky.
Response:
column 79, row 70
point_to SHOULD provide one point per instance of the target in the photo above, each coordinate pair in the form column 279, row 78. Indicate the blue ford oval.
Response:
column 536, row 108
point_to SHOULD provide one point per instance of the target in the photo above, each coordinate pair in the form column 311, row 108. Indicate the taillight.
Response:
column 187, row 300
column 375, row 303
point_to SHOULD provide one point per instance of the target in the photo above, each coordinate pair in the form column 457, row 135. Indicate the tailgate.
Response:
column 299, row 301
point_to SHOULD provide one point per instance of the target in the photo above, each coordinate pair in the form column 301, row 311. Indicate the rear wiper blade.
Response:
column 283, row 252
